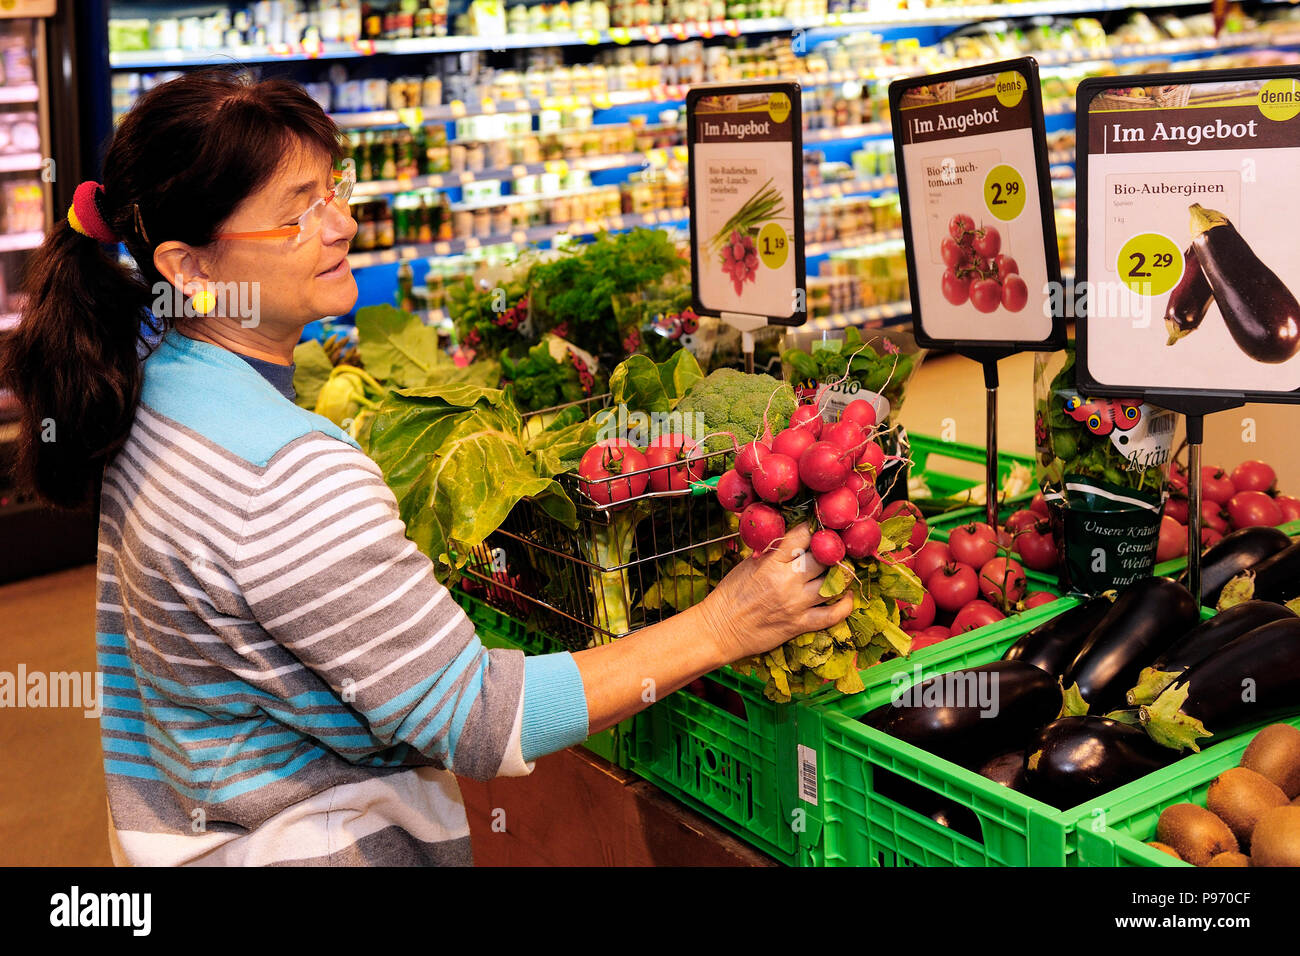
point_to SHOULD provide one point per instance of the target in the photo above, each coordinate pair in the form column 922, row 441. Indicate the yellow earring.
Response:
column 204, row 301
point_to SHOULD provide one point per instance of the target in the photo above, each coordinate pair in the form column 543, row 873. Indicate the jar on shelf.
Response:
column 364, row 240
column 384, row 228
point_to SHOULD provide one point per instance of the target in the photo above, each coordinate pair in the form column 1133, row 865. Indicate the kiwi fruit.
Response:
column 1239, row 797
column 1195, row 833
column 1277, row 838
column 1166, row 848
column 1230, row 859
column 1275, row 753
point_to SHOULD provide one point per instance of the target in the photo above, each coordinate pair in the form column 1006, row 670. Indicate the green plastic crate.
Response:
column 861, row 827
column 1121, row 833
column 930, row 455
column 498, row 629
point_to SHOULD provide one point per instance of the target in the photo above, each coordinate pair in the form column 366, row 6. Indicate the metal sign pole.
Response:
column 1195, row 436
column 991, row 440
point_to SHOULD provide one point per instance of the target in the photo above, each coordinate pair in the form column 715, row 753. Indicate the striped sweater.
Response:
column 284, row 679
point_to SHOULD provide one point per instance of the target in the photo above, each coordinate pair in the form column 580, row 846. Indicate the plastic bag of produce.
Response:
column 1101, row 464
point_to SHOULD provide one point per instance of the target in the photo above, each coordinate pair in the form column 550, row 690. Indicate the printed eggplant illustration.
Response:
column 1190, row 299
column 1260, row 311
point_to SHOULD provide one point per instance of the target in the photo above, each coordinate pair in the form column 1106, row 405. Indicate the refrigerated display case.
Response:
column 35, row 61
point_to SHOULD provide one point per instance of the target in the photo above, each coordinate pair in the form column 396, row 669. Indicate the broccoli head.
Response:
column 733, row 401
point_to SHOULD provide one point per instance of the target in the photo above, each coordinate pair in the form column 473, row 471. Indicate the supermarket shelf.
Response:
column 26, row 93
column 852, row 242
column 21, row 162
column 872, row 316
column 163, row 59
column 455, row 180
column 15, row 241
column 9, row 321
column 851, row 187
column 520, row 237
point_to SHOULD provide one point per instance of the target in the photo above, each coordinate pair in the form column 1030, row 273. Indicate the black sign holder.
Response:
column 987, row 353
column 1194, row 404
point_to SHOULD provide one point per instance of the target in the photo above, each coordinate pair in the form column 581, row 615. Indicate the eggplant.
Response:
column 1007, row 769
column 959, row 819
column 1233, row 554
column 1053, row 644
column 970, row 715
column 1142, row 623
column 1276, row 578
column 1247, row 681
column 1076, row 759
column 1190, row 299
column 1200, row 642
column 1259, row 310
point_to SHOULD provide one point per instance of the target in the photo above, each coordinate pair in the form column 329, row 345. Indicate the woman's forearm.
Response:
column 633, row 672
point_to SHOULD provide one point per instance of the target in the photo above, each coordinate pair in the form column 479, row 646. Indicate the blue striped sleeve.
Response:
column 555, row 706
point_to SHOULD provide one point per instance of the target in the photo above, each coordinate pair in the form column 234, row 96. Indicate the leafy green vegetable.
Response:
column 311, row 370
column 884, row 372
column 401, row 351
column 549, row 375
column 346, row 392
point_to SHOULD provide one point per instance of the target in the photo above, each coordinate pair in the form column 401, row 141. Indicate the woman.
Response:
column 285, row 680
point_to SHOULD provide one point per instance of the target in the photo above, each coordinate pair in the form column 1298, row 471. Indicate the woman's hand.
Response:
column 768, row 600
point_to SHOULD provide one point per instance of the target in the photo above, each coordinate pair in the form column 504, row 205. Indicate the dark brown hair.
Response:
column 188, row 153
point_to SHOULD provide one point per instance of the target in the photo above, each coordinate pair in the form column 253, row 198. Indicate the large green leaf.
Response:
column 396, row 347
column 311, row 370
column 679, row 373
column 636, row 384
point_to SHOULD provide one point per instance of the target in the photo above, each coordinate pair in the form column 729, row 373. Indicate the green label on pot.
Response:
column 1109, row 534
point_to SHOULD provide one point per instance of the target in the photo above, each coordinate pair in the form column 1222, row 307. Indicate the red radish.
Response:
column 872, row 458
column 1022, row 521
column 776, row 478
column 1002, row 582
column 1176, row 507
column 1038, row 598
column 916, row 617
column 920, row 534
column 846, row 435
column 1037, row 548
column 932, row 556
column 873, row 510
column 1209, row 538
column 1039, row 503
column 1290, row 507
column 1252, row 509
column 826, row 547
column 901, row 507
column 975, row 544
column 1254, row 476
column 749, row 457
column 760, row 526
column 822, row 467
column 861, row 412
column 837, row 509
column 1214, row 515
column 862, row 487
column 808, row 418
column 792, row 442
column 734, row 492
column 1173, row 540
column 679, row 452
column 954, row 586
column 1216, row 485
column 974, row 615
column 606, row 460
column 929, row 637
column 862, row 538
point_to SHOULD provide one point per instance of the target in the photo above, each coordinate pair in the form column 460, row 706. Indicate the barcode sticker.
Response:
column 807, row 775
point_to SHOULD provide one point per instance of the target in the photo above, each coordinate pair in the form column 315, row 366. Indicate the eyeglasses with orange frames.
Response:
column 310, row 222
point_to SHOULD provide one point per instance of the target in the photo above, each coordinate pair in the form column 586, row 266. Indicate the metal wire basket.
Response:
column 625, row 566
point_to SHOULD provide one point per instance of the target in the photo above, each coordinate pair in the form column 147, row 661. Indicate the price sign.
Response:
column 744, row 153
column 1186, row 237
column 978, row 225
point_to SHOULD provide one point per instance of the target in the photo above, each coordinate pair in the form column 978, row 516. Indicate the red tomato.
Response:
column 682, row 465
column 1022, row 521
column 955, row 289
column 929, row 636
column 1176, row 507
column 988, row 241
column 1209, row 538
column 932, row 556
column 952, row 254
column 1037, row 548
column 953, row 586
column 1253, row 509
column 975, row 614
column 1214, row 516
column 1006, row 266
column 1173, row 540
column 1254, row 476
column 1015, row 294
column 1002, row 582
column 985, row 295
column 916, row 617
column 1290, row 507
column 959, row 225
column 1216, row 485
column 1039, row 504
column 975, row 544
column 602, row 462
column 1038, row 598
column 1178, row 481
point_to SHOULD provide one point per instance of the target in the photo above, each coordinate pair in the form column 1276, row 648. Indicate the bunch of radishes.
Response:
column 615, row 472
column 826, row 470
column 969, row 582
column 1245, row 498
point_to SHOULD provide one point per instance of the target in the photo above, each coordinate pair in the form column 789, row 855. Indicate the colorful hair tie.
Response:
column 84, row 214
